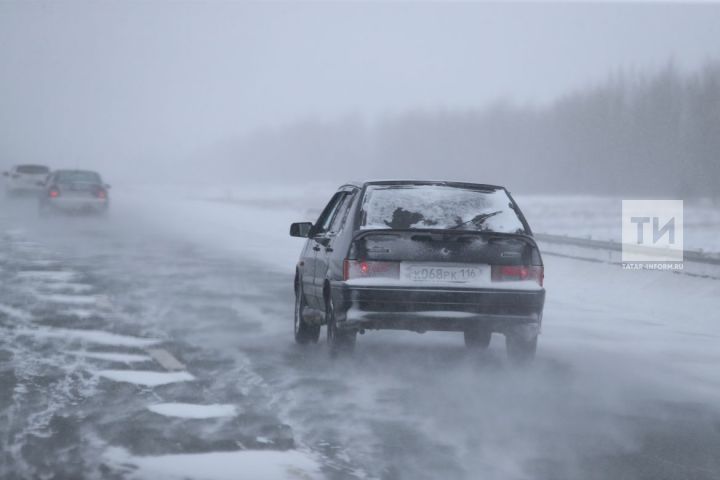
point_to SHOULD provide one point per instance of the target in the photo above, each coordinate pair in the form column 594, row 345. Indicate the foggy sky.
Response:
column 125, row 85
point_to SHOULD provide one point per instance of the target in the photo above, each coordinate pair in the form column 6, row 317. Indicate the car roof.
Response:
column 66, row 170
column 482, row 186
column 30, row 165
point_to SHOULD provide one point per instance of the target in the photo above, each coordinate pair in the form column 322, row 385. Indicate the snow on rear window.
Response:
column 438, row 206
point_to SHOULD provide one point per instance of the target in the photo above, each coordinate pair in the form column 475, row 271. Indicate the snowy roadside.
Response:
column 599, row 218
column 263, row 213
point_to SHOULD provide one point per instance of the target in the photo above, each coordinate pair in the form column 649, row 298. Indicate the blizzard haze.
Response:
column 146, row 90
column 158, row 322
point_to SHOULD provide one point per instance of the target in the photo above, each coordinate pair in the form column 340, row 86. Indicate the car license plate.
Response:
column 445, row 272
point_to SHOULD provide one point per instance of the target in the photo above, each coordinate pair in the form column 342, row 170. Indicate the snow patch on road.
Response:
column 244, row 464
column 41, row 262
column 91, row 336
column 81, row 313
column 47, row 275
column 15, row 232
column 146, row 378
column 14, row 312
column 69, row 299
column 68, row 287
column 189, row 410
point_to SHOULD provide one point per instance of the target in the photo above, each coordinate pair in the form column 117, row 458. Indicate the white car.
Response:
column 25, row 179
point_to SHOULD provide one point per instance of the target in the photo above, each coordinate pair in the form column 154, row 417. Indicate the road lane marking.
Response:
column 145, row 378
column 255, row 464
column 194, row 411
column 166, row 359
column 111, row 356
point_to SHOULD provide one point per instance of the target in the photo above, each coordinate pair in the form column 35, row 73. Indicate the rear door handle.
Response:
column 328, row 249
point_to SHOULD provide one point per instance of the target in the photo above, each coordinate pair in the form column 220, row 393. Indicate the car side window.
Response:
column 341, row 213
column 323, row 222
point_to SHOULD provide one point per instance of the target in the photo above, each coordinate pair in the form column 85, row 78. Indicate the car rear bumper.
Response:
column 437, row 308
column 78, row 205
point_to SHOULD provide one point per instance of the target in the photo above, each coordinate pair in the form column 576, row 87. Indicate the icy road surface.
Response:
column 156, row 344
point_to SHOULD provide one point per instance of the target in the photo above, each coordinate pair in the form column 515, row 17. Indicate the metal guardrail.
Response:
column 690, row 255
column 695, row 263
column 580, row 242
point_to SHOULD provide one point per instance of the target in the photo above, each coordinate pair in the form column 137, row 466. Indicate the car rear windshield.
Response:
column 78, row 177
column 33, row 170
column 439, row 207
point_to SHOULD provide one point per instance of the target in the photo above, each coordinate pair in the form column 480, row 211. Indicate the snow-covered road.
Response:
column 156, row 343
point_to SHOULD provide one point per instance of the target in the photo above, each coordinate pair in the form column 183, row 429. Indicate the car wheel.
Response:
column 520, row 350
column 478, row 338
column 304, row 333
column 339, row 340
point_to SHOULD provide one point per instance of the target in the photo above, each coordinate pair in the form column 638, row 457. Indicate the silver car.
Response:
column 74, row 191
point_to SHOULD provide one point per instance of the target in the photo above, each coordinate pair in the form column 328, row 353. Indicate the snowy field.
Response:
column 156, row 344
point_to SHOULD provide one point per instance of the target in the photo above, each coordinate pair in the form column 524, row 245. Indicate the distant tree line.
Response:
column 634, row 134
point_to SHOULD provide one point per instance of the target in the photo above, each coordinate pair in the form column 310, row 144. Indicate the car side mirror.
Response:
column 300, row 229
column 40, row 184
column 107, row 186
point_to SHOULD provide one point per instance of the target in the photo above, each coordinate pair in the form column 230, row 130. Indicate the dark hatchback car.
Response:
column 74, row 192
column 420, row 255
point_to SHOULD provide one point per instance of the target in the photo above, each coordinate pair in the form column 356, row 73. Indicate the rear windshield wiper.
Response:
column 477, row 220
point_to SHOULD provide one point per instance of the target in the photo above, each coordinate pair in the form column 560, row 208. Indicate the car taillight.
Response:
column 518, row 273
column 370, row 269
column 102, row 194
column 54, row 193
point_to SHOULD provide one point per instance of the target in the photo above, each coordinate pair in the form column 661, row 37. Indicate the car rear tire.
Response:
column 477, row 338
column 304, row 333
column 520, row 350
column 340, row 340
